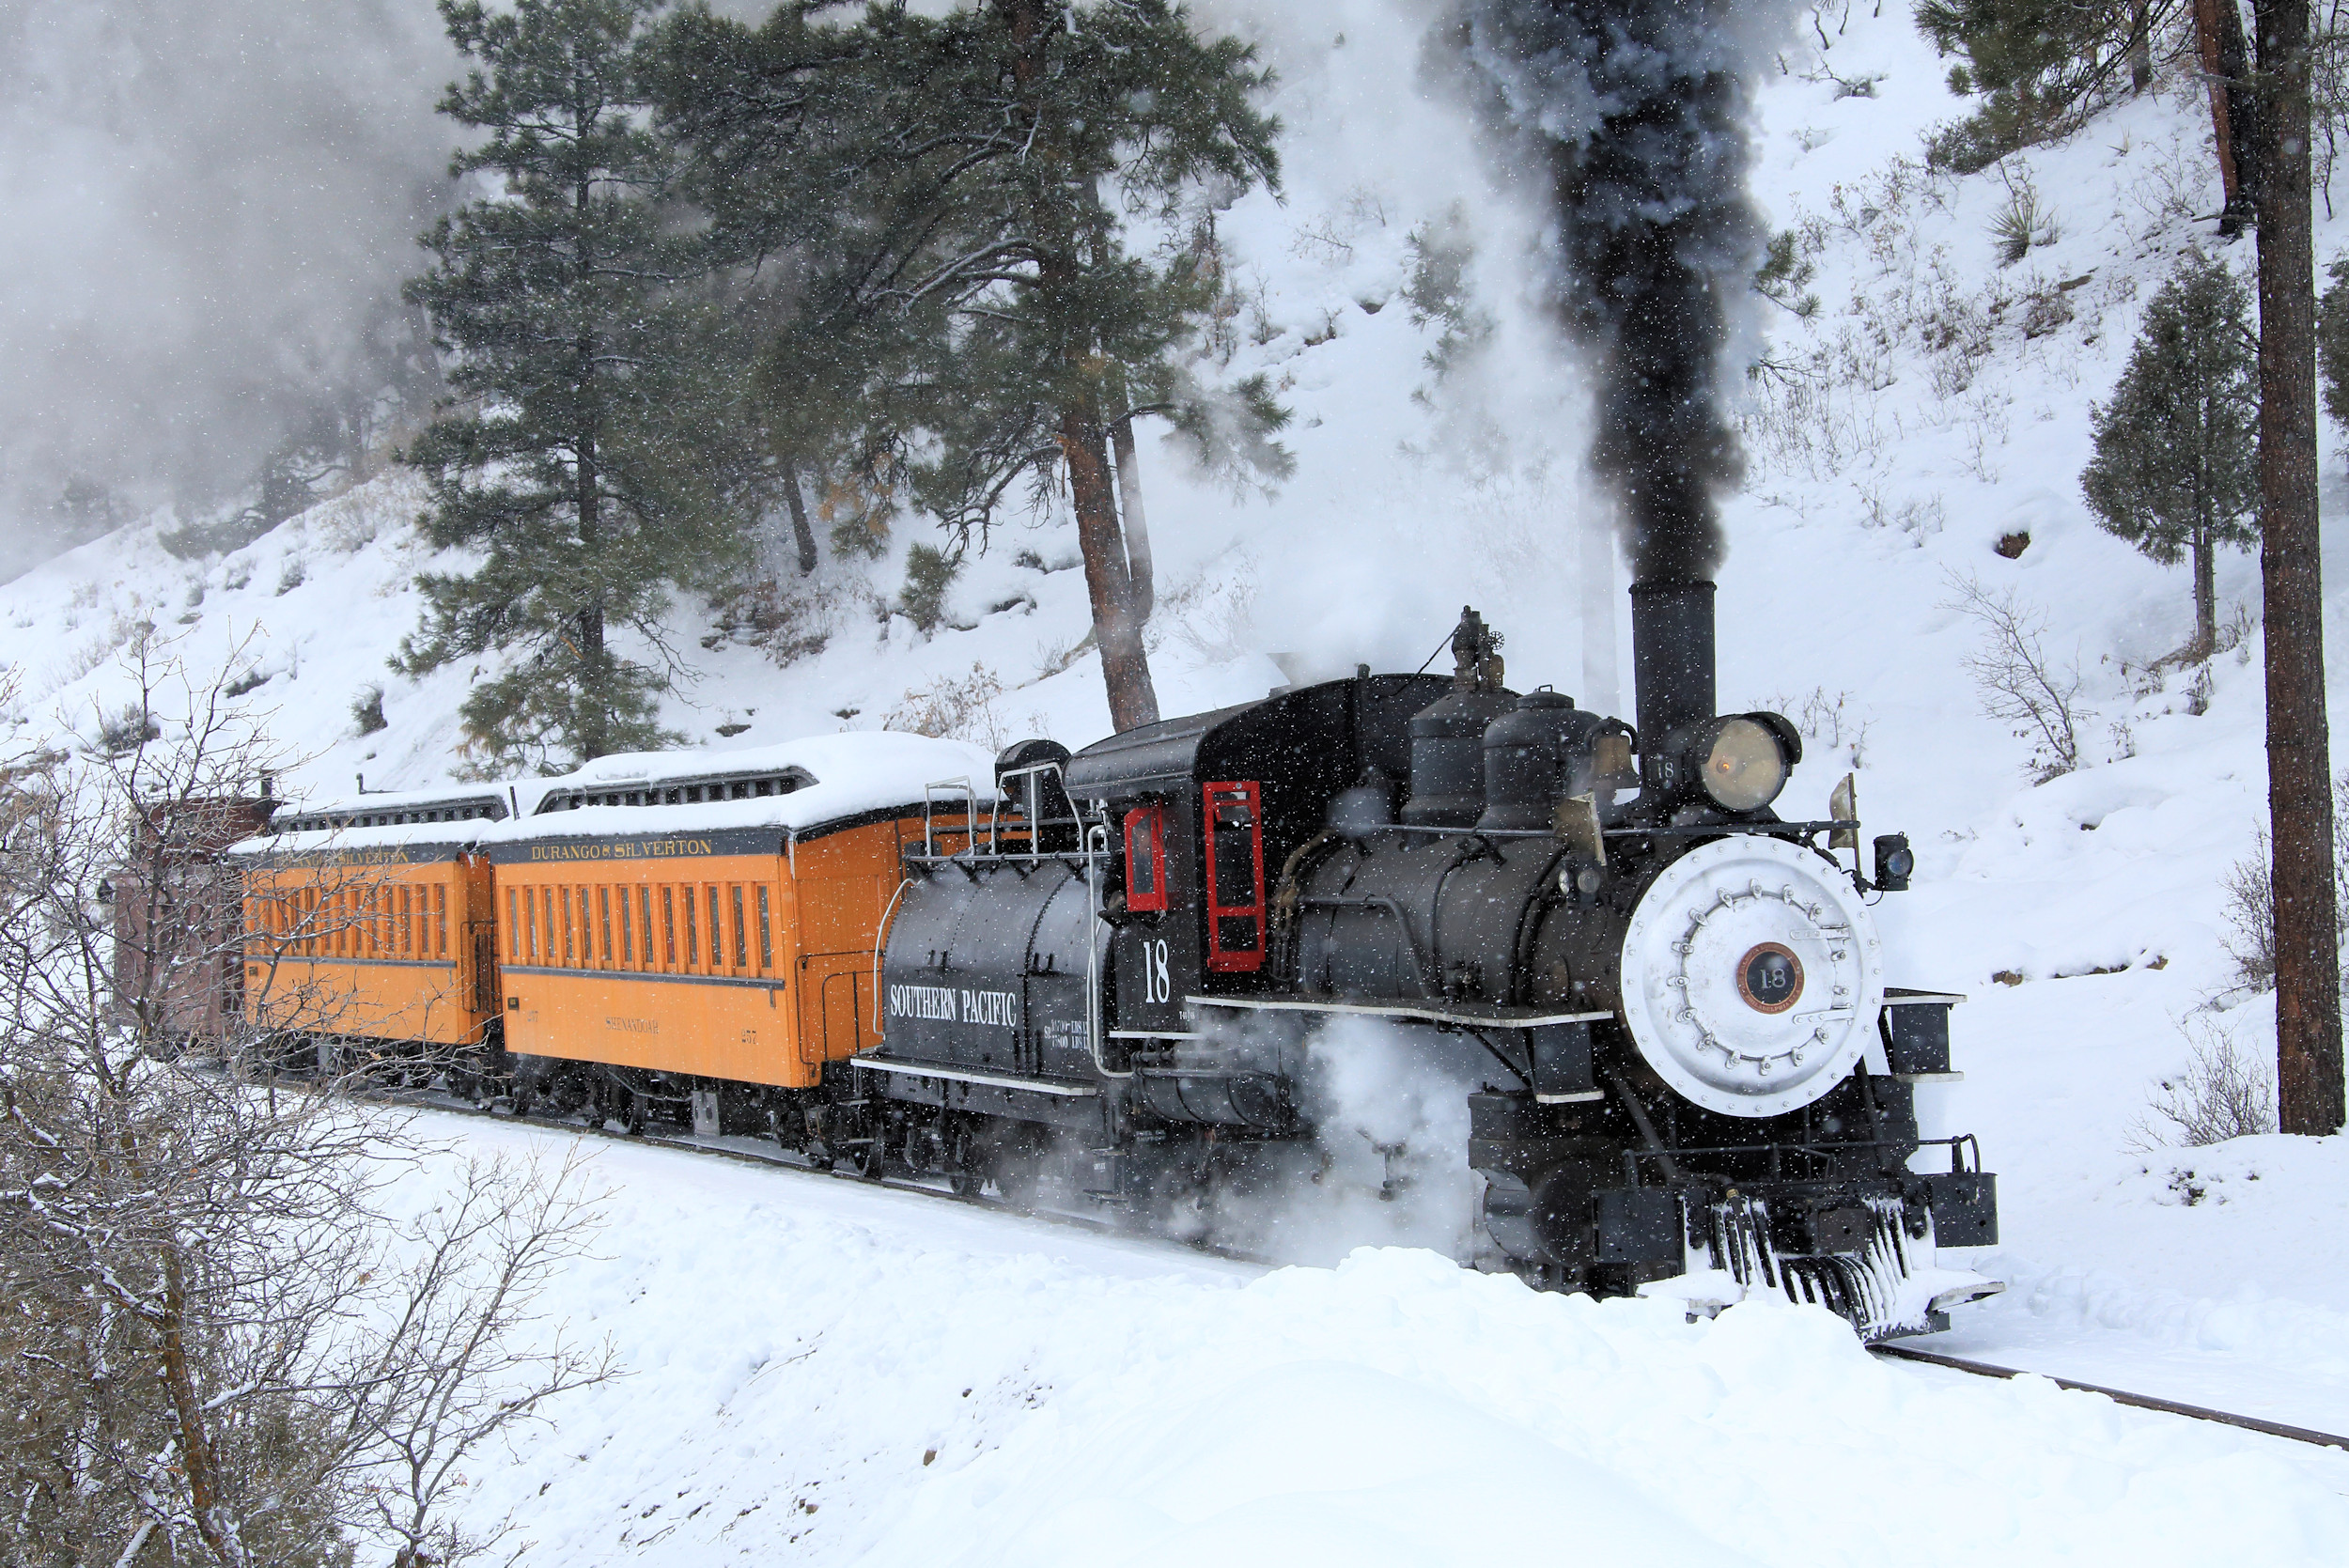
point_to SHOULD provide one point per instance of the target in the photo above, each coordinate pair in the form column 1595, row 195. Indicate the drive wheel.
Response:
column 1182, row 1202
column 966, row 1172
column 1017, row 1163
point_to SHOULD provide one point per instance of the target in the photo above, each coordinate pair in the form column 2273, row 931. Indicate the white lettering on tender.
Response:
column 998, row 1008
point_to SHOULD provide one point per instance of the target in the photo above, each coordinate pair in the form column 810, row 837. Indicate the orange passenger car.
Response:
column 371, row 919
column 714, row 918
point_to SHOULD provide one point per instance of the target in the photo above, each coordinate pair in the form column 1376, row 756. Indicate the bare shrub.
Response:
column 224, row 1346
column 1053, row 657
column 788, row 622
column 954, row 708
column 2223, row 1092
column 1831, row 718
column 2249, row 887
column 2249, row 907
column 1921, row 519
column 2020, row 683
column 1216, row 620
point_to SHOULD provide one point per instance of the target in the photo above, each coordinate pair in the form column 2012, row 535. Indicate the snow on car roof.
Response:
column 794, row 785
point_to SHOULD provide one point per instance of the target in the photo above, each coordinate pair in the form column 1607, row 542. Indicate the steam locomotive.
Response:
column 1699, row 1083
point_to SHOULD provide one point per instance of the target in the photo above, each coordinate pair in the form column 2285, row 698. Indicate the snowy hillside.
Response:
column 1935, row 404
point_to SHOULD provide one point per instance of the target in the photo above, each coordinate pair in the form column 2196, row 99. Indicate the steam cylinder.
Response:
column 1529, row 757
column 1448, row 759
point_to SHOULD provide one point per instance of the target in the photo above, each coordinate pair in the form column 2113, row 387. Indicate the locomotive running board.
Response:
column 1034, row 1085
column 1470, row 1014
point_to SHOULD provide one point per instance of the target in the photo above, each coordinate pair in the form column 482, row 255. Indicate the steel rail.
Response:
column 800, row 1166
column 2119, row 1396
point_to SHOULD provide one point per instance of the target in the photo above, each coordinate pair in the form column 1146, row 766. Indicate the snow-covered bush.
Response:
column 366, row 710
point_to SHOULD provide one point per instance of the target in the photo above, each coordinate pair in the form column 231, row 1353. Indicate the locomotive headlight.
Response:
column 1744, row 764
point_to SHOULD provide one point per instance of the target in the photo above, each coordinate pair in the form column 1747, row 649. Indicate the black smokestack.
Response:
column 1671, row 656
column 1634, row 114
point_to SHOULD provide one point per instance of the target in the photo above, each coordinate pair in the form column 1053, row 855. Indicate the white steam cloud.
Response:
column 1389, row 1162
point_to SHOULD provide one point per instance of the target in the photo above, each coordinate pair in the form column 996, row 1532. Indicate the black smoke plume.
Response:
column 1633, row 114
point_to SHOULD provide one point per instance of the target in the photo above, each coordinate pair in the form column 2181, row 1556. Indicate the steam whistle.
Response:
column 1475, row 654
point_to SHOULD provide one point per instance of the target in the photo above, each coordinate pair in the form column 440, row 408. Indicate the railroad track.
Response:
column 2119, row 1396
column 781, row 1162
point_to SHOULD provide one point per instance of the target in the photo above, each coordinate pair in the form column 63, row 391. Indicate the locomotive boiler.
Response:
column 1697, row 1081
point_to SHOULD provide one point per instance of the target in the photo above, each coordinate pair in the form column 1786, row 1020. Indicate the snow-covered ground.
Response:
column 1126, row 1402
column 826, row 1372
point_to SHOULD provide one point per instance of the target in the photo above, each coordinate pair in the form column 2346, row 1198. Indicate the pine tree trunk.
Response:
column 2299, row 766
column 594, row 708
column 1083, row 443
column 2205, row 595
column 1125, row 664
column 801, row 534
column 2140, row 45
column 1143, row 596
column 2226, row 66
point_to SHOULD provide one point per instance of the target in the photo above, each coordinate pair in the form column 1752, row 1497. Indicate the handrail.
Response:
column 1094, row 858
column 880, row 935
column 1036, row 824
column 971, row 814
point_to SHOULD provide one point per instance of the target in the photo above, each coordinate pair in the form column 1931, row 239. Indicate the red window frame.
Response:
column 1220, row 904
column 1145, row 832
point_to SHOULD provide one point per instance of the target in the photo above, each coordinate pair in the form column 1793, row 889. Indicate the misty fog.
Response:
column 204, row 204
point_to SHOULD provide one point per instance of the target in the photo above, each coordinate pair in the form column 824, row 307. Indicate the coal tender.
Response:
column 1698, row 1084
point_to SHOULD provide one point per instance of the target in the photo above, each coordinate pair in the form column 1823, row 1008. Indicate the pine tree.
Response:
column 2332, row 342
column 973, row 277
column 2040, row 67
column 2174, row 472
column 783, row 155
column 605, row 450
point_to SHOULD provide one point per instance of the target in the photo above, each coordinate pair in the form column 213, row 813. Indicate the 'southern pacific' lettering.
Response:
column 999, row 1009
column 923, row 1002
